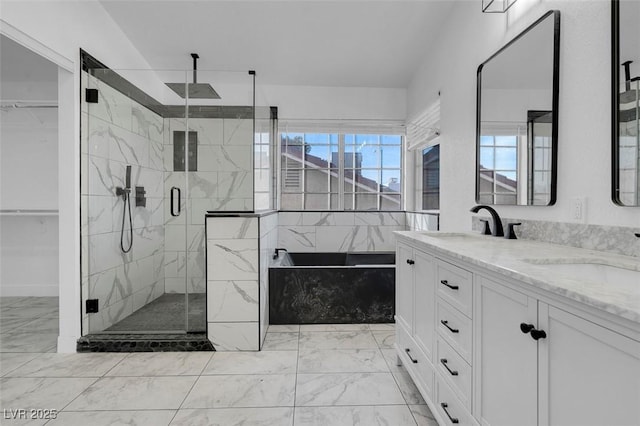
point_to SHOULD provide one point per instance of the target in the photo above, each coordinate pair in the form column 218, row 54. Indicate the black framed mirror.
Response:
column 517, row 118
column 625, row 78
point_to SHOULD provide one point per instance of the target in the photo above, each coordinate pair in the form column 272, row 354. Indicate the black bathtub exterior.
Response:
column 353, row 288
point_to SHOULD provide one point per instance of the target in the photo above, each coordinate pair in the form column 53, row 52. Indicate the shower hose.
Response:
column 127, row 205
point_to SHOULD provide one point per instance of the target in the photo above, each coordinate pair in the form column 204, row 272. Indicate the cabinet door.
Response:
column 424, row 303
column 505, row 360
column 589, row 375
column 404, row 286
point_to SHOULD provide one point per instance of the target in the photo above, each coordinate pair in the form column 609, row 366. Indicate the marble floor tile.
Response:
column 382, row 327
column 347, row 389
column 341, row 361
column 291, row 328
column 391, row 357
column 264, row 362
column 337, row 340
column 32, row 302
column 409, row 390
column 280, row 342
column 9, row 361
column 134, row 393
column 227, row 391
column 422, row 415
column 273, row 416
column 28, row 342
column 44, row 393
column 385, row 339
column 29, row 312
column 397, row 415
column 334, row 327
column 40, row 325
column 6, row 302
column 8, row 325
column 109, row 418
column 69, row 365
column 162, row 364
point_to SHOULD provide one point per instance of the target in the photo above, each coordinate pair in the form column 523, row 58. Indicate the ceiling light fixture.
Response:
column 496, row 6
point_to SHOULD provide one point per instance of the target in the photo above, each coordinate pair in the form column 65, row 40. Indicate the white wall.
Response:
column 337, row 103
column 584, row 145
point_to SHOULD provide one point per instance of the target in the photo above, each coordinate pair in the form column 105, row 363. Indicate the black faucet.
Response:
column 497, row 223
column 275, row 253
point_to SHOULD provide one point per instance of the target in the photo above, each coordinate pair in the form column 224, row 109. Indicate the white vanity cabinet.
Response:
column 415, row 315
column 576, row 372
column 507, row 353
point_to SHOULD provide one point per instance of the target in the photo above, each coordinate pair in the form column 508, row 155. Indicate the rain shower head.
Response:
column 196, row 90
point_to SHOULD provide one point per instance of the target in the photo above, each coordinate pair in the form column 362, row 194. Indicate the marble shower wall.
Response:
column 223, row 182
column 268, row 243
column 117, row 132
column 614, row 239
column 339, row 231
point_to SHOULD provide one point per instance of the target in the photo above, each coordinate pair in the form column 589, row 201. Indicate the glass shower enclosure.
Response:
column 153, row 162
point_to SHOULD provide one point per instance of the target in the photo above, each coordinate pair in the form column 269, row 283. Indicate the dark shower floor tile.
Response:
column 167, row 312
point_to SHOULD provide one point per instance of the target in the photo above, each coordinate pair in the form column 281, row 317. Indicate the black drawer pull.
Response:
column 444, row 406
column 413, row 360
column 443, row 361
column 410, row 262
column 452, row 287
column 446, row 324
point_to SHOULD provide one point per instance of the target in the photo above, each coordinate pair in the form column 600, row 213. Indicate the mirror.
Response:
column 626, row 103
column 517, row 118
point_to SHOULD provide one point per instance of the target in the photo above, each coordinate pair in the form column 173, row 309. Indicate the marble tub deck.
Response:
column 306, row 375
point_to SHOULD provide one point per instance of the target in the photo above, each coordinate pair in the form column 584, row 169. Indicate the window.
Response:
column 341, row 171
column 498, row 169
column 431, row 178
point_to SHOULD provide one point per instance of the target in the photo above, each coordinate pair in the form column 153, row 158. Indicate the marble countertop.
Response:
column 531, row 262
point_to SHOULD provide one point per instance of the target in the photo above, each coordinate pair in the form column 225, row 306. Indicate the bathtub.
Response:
column 332, row 288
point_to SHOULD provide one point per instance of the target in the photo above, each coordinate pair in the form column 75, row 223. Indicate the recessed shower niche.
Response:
column 139, row 124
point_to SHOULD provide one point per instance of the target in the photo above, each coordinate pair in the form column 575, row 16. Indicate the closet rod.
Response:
column 11, row 103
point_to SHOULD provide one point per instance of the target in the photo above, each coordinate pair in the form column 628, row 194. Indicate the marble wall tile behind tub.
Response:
column 614, row 239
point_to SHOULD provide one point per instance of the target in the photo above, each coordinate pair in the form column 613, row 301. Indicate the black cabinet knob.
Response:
column 538, row 334
column 410, row 262
column 526, row 328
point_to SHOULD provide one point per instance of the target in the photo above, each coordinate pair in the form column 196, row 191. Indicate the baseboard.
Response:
column 21, row 290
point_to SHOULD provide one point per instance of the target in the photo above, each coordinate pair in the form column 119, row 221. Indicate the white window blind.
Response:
column 424, row 128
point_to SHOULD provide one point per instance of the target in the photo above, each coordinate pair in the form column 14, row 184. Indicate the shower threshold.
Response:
column 156, row 327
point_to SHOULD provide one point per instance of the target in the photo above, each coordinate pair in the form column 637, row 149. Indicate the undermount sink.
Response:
column 592, row 272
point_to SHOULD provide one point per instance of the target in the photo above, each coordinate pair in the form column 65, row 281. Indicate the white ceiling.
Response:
column 297, row 42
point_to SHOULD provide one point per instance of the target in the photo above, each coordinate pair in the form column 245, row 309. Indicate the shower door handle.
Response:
column 175, row 189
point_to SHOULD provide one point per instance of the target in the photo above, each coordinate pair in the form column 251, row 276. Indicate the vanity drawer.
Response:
column 450, row 408
column 455, row 329
column 406, row 346
column 455, row 370
column 454, row 285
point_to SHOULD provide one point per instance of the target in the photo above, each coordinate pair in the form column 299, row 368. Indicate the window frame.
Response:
column 343, row 171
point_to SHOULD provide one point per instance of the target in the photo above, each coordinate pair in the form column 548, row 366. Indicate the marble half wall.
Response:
column 116, row 132
column 233, row 283
column 268, row 242
column 614, row 239
column 339, row 231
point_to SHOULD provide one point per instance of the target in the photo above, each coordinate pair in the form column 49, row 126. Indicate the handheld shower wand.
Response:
column 124, row 193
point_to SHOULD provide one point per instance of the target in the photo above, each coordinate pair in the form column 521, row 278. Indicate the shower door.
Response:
column 152, row 165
